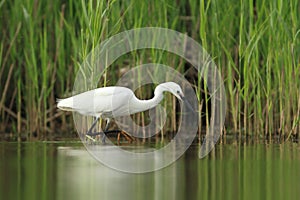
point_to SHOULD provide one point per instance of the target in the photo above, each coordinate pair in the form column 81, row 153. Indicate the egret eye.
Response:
column 178, row 91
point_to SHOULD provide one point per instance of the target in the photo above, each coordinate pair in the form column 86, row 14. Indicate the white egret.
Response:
column 115, row 101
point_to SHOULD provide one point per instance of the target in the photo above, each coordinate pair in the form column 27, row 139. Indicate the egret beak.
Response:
column 186, row 102
column 180, row 96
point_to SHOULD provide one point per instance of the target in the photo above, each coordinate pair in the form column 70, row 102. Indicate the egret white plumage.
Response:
column 115, row 101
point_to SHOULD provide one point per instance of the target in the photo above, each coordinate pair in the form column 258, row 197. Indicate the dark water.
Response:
column 66, row 171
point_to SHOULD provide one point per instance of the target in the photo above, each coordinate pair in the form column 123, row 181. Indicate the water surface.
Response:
column 66, row 171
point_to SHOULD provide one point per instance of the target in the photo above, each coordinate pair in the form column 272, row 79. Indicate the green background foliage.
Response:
column 255, row 45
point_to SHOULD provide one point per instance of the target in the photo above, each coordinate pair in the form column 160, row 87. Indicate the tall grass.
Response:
column 254, row 43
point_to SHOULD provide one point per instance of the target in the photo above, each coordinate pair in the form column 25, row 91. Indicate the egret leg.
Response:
column 93, row 125
column 107, row 124
column 106, row 129
column 108, row 120
column 90, row 133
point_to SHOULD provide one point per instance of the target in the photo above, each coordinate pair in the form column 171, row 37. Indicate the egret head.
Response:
column 172, row 87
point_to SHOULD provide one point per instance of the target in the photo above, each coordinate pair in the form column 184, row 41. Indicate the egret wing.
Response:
column 113, row 101
column 102, row 101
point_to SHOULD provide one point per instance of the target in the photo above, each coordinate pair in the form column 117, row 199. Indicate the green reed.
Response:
column 255, row 45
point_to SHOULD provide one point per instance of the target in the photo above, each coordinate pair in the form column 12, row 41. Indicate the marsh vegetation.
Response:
column 255, row 44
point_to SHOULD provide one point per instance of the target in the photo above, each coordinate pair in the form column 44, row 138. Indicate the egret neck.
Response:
column 141, row 105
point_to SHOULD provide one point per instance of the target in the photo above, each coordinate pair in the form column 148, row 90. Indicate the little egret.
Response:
column 115, row 101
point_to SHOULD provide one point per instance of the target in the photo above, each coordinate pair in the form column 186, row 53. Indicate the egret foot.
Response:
column 128, row 137
column 90, row 135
